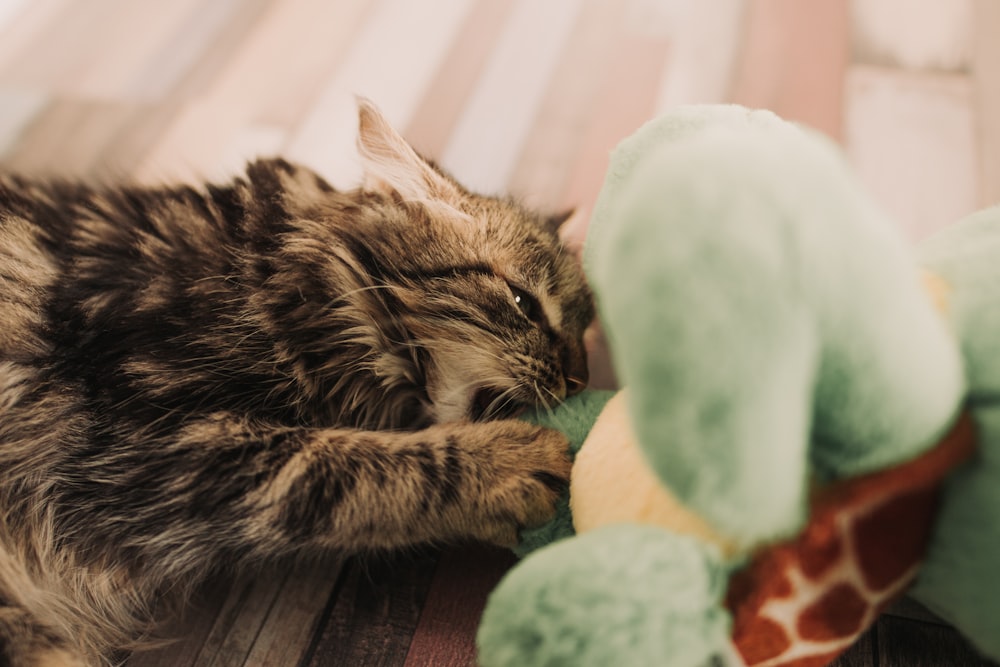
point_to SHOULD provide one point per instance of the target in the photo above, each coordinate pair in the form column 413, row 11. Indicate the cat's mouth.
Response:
column 490, row 403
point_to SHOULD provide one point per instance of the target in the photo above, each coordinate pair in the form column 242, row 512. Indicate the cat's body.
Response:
column 197, row 378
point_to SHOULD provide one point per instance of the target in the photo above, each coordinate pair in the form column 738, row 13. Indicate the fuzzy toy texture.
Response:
column 774, row 334
column 566, row 622
column 751, row 293
column 959, row 580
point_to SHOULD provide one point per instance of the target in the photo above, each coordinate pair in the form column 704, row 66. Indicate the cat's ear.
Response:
column 556, row 221
column 391, row 164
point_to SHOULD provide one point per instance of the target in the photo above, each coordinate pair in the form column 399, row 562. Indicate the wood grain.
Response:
column 906, row 643
column 395, row 54
column 487, row 137
column 568, row 108
column 911, row 137
column 445, row 634
column 68, row 136
column 184, row 635
column 861, row 654
column 374, row 614
column 794, row 60
column 986, row 71
column 432, row 123
column 635, row 67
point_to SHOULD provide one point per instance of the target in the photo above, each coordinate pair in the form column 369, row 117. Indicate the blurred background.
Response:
column 511, row 95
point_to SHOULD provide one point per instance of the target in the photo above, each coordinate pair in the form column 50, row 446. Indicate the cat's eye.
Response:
column 528, row 305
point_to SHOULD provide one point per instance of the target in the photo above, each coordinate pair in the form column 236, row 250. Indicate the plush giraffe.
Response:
column 802, row 602
column 801, row 416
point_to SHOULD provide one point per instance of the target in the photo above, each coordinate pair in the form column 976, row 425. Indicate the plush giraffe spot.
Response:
column 837, row 614
column 765, row 578
column 801, row 602
column 761, row 639
column 825, row 550
column 892, row 538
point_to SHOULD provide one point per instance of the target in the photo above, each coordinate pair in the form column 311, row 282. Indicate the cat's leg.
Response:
column 25, row 643
column 377, row 489
column 224, row 484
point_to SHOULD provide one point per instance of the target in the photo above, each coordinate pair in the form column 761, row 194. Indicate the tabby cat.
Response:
column 192, row 378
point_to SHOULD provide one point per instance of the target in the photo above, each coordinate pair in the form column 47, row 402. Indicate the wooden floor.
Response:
column 525, row 96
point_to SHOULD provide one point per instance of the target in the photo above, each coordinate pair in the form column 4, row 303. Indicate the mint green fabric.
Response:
column 768, row 321
column 959, row 578
column 619, row 595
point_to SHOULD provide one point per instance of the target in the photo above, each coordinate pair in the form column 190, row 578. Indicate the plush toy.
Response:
column 810, row 421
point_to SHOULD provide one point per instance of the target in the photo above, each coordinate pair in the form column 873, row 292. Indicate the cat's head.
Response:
column 483, row 288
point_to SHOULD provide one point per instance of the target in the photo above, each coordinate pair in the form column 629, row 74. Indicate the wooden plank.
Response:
column 706, row 38
column 72, row 26
column 136, row 139
column 68, row 137
column 986, row 72
column 626, row 100
column 396, row 53
column 189, row 147
column 189, row 63
column 10, row 11
column 376, row 611
column 446, row 633
column 286, row 634
column 18, row 108
column 131, row 37
column 207, row 141
column 551, row 148
column 861, row 654
column 489, row 135
column 184, row 635
column 288, row 56
column 239, row 622
column 794, row 59
column 22, row 28
column 911, row 138
column 907, row 607
column 906, row 643
column 938, row 37
column 432, row 122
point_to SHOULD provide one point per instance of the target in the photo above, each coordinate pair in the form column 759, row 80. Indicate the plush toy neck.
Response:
column 805, row 601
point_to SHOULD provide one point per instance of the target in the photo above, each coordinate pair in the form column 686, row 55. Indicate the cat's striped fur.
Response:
column 226, row 375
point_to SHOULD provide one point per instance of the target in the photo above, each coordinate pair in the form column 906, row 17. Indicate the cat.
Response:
column 221, row 376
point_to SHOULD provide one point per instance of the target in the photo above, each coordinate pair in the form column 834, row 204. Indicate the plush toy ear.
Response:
column 391, row 164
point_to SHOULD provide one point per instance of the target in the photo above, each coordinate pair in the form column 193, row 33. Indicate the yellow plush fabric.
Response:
column 613, row 483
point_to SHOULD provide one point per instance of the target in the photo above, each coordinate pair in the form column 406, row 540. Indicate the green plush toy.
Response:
column 811, row 416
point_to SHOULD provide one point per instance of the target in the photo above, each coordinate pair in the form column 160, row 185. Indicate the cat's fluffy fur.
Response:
column 192, row 378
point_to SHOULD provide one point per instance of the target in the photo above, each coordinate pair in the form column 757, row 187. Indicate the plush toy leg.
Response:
column 620, row 595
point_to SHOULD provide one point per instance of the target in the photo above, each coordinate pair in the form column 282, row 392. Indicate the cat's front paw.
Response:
column 529, row 471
